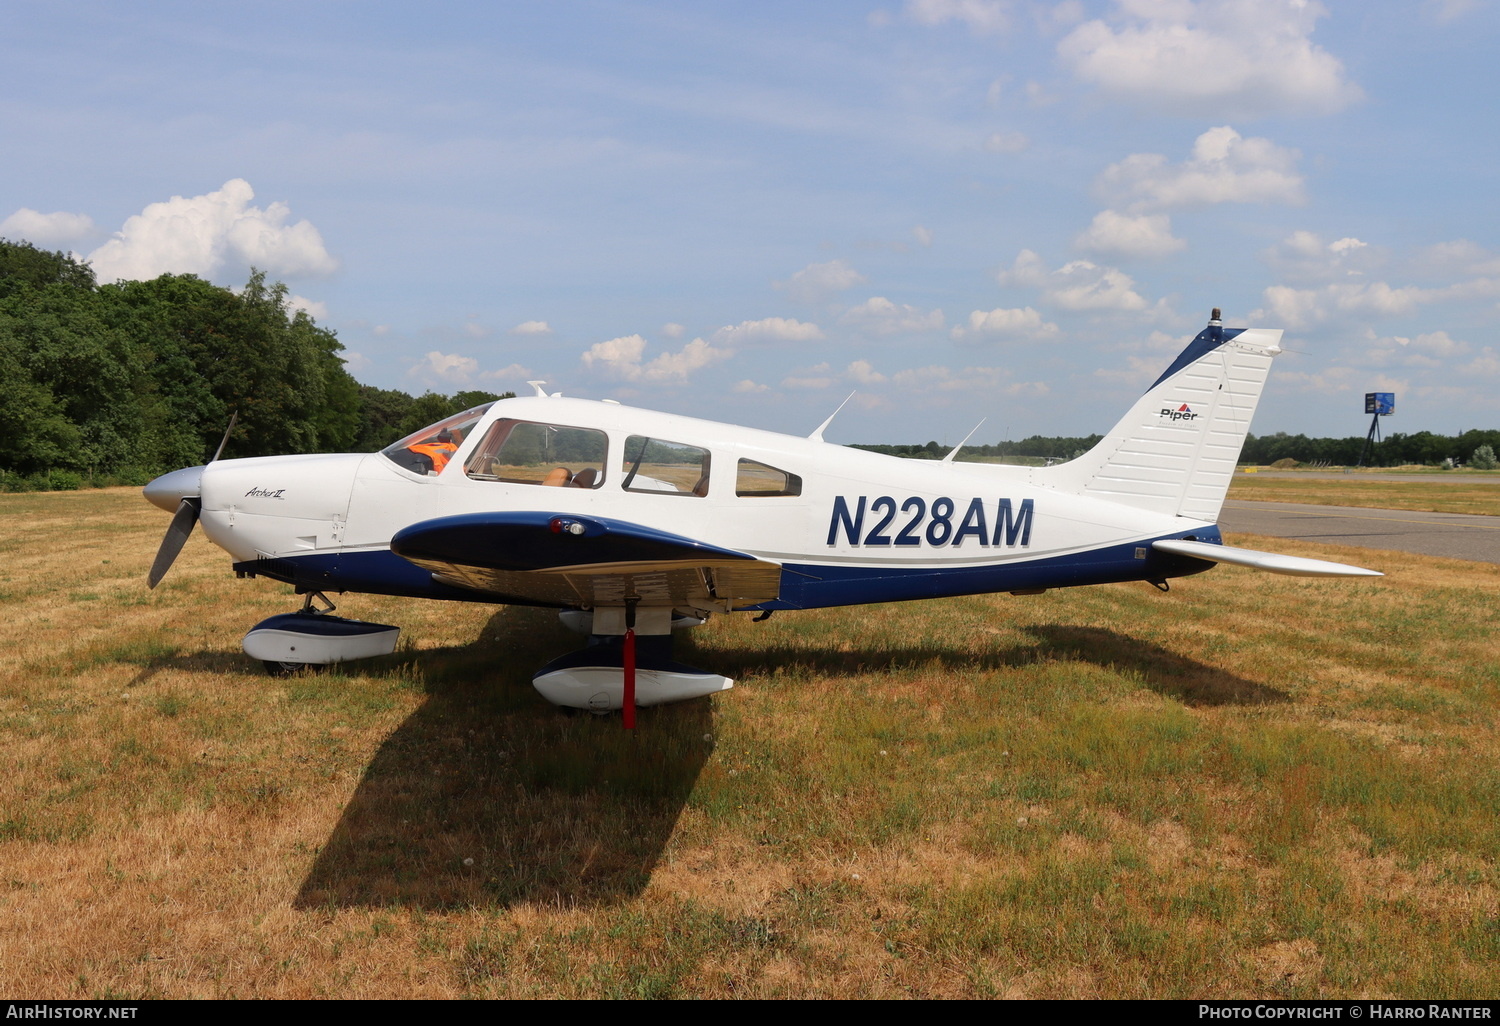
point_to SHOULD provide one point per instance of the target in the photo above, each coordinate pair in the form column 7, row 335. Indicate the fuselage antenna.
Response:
column 817, row 436
column 954, row 451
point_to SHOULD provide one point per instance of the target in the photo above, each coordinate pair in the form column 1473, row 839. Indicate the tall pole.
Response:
column 1370, row 438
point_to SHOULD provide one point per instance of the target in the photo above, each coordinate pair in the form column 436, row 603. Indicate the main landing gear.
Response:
column 626, row 664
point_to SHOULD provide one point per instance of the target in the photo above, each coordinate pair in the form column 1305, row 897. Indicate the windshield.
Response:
column 428, row 451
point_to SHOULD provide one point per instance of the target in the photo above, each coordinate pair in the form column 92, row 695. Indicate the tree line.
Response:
column 1394, row 450
column 117, row 383
column 1040, row 448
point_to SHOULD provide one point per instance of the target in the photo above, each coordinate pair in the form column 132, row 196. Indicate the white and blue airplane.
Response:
column 634, row 522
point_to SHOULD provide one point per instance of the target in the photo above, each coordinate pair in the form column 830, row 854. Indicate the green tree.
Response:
column 22, row 264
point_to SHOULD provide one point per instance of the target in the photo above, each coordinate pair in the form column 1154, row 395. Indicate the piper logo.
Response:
column 1181, row 413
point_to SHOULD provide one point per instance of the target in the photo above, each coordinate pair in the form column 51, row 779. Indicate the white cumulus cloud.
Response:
column 315, row 309
column 818, row 282
column 1297, row 308
column 1224, row 167
column 623, row 358
column 619, row 354
column 47, row 230
column 880, row 316
column 511, row 372
column 1305, row 257
column 1028, row 271
column 1079, row 285
column 1433, row 350
column 205, row 234
column 767, row 329
column 445, row 368
column 532, row 328
column 1130, row 235
column 1007, row 323
column 1211, row 58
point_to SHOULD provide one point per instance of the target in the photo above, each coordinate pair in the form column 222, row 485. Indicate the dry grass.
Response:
column 1453, row 492
column 1251, row 786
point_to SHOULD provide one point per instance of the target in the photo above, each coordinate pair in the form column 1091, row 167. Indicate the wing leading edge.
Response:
column 1273, row 562
column 565, row 559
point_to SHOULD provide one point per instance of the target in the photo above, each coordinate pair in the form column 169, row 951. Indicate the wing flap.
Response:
column 1274, row 562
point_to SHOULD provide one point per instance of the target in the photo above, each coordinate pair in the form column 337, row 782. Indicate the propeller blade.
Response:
column 176, row 537
column 234, row 418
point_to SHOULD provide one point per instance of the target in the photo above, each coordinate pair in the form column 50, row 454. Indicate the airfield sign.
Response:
column 1377, row 404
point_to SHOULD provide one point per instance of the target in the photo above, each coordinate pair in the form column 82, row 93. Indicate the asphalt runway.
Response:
column 1454, row 535
column 1364, row 475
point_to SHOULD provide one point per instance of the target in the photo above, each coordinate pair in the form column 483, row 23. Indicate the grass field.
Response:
column 1433, row 493
column 1253, row 786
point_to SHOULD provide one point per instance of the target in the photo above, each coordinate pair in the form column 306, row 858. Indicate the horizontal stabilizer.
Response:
column 1271, row 561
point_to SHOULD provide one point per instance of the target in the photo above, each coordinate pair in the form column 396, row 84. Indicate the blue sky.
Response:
column 956, row 209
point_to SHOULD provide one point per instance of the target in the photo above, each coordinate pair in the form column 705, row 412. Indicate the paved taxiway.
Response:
column 1454, row 535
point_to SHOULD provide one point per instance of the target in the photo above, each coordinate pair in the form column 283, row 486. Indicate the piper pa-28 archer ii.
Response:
column 634, row 522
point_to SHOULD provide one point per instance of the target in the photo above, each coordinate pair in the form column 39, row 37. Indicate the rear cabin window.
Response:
column 525, row 452
column 664, row 468
column 752, row 478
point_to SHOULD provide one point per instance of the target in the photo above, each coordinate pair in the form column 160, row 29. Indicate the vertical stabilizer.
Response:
column 1176, row 450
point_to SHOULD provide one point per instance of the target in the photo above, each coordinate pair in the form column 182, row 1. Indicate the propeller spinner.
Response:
column 180, row 493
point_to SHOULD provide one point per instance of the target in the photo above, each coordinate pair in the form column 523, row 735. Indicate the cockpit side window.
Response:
column 664, row 468
column 526, row 452
column 752, row 478
column 428, row 451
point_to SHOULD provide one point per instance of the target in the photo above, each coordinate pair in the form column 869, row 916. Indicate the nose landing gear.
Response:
column 287, row 643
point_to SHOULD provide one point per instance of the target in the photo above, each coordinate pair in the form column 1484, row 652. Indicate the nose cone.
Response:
column 168, row 491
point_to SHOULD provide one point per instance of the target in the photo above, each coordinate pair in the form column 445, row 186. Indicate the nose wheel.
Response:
column 280, row 669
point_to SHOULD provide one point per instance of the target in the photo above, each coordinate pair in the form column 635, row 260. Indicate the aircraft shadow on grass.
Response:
column 1157, row 668
column 575, row 811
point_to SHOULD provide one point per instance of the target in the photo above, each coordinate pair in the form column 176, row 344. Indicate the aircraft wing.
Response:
column 1276, row 563
column 564, row 559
